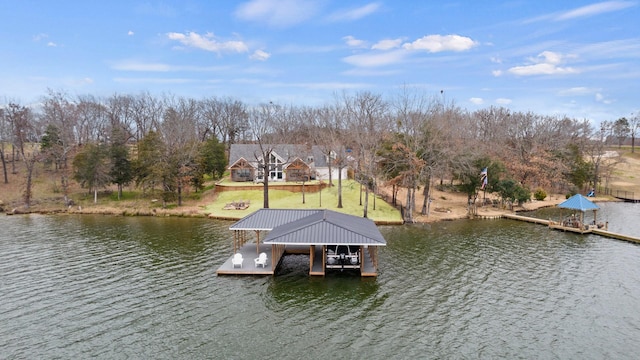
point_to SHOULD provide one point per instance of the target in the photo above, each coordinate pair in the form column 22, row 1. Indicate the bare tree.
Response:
column 634, row 127
column 368, row 124
column 24, row 139
column 620, row 130
column 261, row 121
column 179, row 132
column 146, row 112
column 5, row 138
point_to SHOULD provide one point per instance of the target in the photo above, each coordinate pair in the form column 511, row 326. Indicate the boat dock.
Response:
column 588, row 230
column 316, row 266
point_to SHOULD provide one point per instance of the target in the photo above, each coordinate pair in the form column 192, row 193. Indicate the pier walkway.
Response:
column 589, row 230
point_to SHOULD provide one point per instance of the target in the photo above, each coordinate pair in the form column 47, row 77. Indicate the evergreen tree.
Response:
column 121, row 168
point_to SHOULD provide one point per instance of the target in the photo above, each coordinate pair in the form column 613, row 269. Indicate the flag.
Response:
column 483, row 178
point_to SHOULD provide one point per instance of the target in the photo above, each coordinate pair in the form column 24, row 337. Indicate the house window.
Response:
column 275, row 167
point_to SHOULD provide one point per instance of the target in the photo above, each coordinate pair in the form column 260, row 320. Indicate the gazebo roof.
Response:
column 578, row 202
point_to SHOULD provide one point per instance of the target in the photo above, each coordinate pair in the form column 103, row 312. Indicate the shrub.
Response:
column 540, row 195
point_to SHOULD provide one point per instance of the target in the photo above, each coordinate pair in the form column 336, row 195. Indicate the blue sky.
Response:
column 574, row 58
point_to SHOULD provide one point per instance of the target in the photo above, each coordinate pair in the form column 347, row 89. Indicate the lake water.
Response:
column 144, row 287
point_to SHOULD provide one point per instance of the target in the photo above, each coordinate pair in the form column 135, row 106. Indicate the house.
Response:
column 287, row 162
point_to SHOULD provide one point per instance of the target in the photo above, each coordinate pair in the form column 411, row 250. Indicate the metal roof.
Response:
column 312, row 227
column 327, row 227
column 269, row 219
column 578, row 202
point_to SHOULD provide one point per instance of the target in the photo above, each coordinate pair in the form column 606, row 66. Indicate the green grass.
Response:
column 281, row 199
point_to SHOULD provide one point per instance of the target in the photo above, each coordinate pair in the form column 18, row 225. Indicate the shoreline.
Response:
column 453, row 211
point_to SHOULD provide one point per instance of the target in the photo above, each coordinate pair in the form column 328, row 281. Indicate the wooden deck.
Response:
column 250, row 252
column 591, row 229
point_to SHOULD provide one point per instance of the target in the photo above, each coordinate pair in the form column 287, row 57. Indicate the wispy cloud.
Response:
column 585, row 11
column 40, row 37
column 154, row 80
column 355, row 13
column 578, row 91
column 387, row 44
column 393, row 51
column 595, row 9
column 260, row 55
column 476, row 101
column 353, row 42
column 277, row 13
column 208, row 42
column 546, row 63
column 375, row 59
column 132, row 65
column 439, row 43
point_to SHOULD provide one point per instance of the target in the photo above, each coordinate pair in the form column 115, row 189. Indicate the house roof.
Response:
column 286, row 151
column 249, row 151
column 578, row 202
column 312, row 227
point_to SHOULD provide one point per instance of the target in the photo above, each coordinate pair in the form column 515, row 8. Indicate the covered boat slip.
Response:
column 334, row 241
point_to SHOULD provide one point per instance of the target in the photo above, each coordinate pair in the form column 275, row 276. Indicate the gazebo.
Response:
column 579, row 203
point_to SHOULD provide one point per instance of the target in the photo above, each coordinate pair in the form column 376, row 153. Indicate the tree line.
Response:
column 410, row 139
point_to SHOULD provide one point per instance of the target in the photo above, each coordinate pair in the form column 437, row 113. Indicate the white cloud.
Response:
column 601, row 99
column 277, row 13
column 130, row 33
column 132, row 65
column 40, row 36
column 595, row 9
column 476, row 101
column 546, row 63
column 355, row 13
column 438, row 43
column 387, row 44
column 208, row 42
column 353, row 42
column 496, row 73
column 260, row 55
column 153, row 80
column 577, row 91
column 51, row 44
column 503, row 101
column 375, row 59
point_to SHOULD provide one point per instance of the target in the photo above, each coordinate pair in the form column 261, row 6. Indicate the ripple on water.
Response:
column 146, row 288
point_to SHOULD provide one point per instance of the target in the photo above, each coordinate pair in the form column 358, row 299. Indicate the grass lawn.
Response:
column 282, row 199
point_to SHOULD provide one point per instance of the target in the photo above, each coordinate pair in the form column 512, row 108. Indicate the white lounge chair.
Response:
column 261, row 260
column 237, row 260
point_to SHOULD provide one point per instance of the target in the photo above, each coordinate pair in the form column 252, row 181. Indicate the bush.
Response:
column 540, row 195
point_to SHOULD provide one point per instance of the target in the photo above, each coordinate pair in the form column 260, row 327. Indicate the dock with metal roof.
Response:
column 318, row 233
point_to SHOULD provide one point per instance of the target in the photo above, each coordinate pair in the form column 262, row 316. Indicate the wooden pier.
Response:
column 589, row 229
column 316, row 261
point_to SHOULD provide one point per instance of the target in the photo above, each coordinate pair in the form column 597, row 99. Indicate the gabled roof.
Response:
column 327, row 228
column 312, row 227
column 241, row 160
column 269, row 219
column 578, row 202
column 249, row 151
